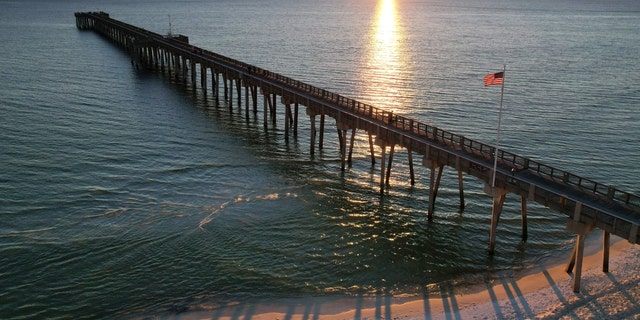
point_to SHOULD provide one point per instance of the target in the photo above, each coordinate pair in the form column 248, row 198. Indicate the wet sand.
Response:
column 546, row 293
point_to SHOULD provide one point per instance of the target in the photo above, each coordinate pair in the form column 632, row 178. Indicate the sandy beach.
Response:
column 546, row 293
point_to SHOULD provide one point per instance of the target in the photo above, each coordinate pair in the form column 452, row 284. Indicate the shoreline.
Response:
column 542, row 292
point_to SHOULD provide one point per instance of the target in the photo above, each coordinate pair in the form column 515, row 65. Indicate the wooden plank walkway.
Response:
column 588, row 204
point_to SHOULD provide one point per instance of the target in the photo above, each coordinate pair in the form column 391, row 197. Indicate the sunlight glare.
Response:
column 386, row 32
column 382, row 77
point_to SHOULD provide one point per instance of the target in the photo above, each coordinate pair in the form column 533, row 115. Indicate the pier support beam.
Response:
column 273, row 107
column 461, row 189
column 578, row 250
column 391, row 153
column 295, row 119
column 215, row 80
column 353, row 139
column 523, row 210
column 229, row 96
column 203, row 78
column 498, row 195
column 383, row 145
column 184, row 69
column 606, row 244
column 460, row 183
column 246, row 98
column 410, row 158
column 342, row 137
column 254, row 98
column 226, row 86
column 373, row 155
column 321, row 132
column 345, row 155
column 312, row 134
column 265, row 113
column 287, row 119
column 193, row 74
column 239, row 92
column 434, row 183
column 162, row 58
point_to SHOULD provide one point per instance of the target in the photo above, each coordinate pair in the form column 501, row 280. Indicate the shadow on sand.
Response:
column 504, row 299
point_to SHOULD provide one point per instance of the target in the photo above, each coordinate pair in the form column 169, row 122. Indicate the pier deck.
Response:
column 588, row 204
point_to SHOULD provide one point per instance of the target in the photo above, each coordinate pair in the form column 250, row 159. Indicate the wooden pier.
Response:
column 588, row 204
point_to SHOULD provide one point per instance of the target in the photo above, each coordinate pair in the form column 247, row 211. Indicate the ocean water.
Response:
column 124, row 193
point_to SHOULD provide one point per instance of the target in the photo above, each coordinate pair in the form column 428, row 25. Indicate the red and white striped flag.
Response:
column 494, row 78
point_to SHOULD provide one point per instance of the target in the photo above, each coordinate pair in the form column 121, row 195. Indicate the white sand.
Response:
column 547, row 294
column 613, row 295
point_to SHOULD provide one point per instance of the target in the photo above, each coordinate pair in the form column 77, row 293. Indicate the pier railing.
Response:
column 397, row 122
column 423, row 130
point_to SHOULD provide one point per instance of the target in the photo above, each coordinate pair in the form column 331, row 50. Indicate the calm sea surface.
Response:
column 123, row 193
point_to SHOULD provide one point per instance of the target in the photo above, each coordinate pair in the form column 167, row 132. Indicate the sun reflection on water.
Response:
column 385, row 72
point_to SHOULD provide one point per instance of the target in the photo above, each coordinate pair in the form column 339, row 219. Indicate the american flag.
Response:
column 494, row 78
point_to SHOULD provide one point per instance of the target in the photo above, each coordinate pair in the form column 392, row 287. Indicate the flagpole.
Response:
column 495, row 157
